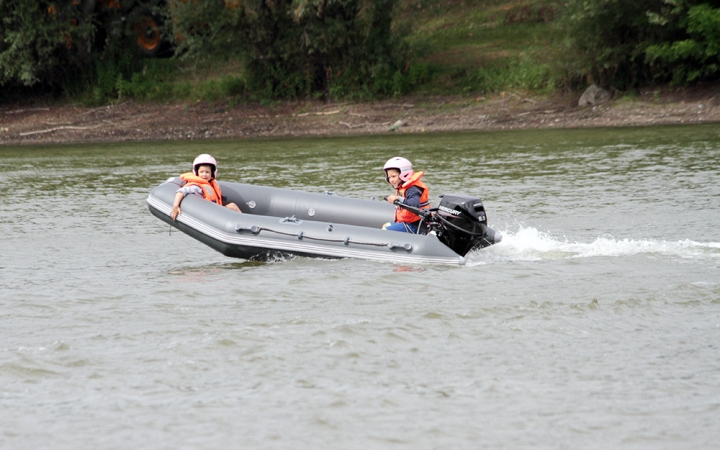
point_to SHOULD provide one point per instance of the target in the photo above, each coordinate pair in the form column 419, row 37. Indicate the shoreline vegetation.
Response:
column 131, row 121
column 431, row 66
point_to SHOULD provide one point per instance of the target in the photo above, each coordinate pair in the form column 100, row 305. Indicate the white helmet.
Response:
column 401, row 164
column 205, row 159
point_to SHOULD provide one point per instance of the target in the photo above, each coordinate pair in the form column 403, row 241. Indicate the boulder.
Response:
column 398, row 124
column 594, row 95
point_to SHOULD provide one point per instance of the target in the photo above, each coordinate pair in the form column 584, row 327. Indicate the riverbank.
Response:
column 130, row 121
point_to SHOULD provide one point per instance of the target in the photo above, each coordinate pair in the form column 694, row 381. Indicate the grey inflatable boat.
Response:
column 277, row 222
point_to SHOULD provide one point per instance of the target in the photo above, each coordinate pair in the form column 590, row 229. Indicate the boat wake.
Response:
column 530, row 244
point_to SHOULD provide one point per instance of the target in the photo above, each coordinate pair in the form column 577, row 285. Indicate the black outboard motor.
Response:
column 463, row 224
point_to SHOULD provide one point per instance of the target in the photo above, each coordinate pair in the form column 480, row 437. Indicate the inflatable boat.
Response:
column 280, row 222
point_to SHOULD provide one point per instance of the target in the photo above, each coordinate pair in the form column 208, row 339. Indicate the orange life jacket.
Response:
column 211, row 189
column 403, row 215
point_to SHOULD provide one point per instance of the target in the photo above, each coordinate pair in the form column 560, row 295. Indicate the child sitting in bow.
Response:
column 201, row 182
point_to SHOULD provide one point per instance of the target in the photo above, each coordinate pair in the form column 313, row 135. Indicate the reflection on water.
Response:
column 592, row 321
column 218, row 267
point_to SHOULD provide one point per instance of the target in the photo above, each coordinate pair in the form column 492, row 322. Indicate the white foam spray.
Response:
column 531, row 244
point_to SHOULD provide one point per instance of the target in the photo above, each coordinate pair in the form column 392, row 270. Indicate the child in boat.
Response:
column 201, row 182
column 409, row 190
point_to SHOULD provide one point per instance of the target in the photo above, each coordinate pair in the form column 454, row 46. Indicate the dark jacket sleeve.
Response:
column 412, row 196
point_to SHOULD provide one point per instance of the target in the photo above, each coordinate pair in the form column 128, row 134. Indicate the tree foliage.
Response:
column 335, row 48
column 299, row 48
column 39, row 41
column 629, row 43
column 695, row 56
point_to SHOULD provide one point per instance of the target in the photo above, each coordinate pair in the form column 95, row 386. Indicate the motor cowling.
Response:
column 464, row 223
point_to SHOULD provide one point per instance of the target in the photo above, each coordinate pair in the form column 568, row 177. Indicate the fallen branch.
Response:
column 351, row 126
column 18, row 111
column 401, row 105
column 93, row 110
column 50, row 130
column 336, row 111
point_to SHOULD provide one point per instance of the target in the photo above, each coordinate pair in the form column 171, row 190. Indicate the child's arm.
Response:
column 179, row 195
column 412, row 197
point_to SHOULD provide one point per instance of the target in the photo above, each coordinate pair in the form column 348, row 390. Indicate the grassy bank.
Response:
column 487, row 46
column 461, row 47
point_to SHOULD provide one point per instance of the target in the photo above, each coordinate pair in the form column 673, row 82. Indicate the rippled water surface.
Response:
column 594, row 324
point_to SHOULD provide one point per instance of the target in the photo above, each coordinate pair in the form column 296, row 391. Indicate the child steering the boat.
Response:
column 409, row 190
column 200, row 182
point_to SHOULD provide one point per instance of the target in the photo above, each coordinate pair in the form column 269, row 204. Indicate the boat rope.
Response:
column 301, row 235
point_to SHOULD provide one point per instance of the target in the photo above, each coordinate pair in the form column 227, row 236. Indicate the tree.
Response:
column 39, row 41
column 299, row 48
column 695, row 56
column 628, row 43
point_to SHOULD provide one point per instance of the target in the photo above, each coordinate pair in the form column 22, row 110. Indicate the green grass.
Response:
column 165, row 80
column 486, row 46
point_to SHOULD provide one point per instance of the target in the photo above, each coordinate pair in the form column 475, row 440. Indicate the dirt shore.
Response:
column 130, row 121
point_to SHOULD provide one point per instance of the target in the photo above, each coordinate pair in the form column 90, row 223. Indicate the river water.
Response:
column 594, row 324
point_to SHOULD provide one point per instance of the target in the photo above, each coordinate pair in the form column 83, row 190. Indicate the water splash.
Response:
column 531, row 244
